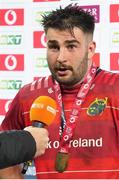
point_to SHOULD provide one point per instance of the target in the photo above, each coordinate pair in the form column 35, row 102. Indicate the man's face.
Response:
column 68, row 55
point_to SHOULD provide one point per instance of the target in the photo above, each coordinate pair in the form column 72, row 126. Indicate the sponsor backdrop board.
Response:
column 23, row 45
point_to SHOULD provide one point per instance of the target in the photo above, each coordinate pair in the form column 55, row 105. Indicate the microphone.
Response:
column 42, row 113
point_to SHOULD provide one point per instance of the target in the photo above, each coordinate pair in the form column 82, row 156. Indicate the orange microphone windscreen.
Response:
column 43, row 110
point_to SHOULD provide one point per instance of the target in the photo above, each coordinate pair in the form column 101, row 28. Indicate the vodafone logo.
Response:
column 43, row 40
column 96, row 59
column 114, row 13
column 39, row 39
column 11, row 17
column 5, row 104
column 11, row 62
column 114, row 61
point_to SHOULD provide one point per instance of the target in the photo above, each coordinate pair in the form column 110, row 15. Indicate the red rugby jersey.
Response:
column 94, row 149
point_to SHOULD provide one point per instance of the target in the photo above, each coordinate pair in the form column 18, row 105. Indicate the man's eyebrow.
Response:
column 66, row 42
column 53, row 41
column 71, row 41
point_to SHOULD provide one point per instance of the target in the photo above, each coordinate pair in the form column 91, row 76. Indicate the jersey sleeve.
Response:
column 16, row 147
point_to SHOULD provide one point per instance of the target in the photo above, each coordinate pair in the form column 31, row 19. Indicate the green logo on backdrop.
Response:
column 41, row 62
column 10, row 39
column 38, row 17
column 115, row 37
column 10, row 84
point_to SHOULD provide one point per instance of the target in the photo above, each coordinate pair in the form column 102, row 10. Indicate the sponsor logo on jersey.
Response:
column 114, row 13
column 11, row 17
column 97, row 107
column 77, row 143
column 11, row 62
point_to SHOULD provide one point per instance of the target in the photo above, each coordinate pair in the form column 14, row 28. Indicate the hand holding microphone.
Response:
column 42, row 113
column 41, row 138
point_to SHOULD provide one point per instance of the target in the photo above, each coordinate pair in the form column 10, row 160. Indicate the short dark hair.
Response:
column 69, row 17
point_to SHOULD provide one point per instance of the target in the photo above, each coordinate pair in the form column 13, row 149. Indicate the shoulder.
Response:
column 36, row 87
column 109, row 78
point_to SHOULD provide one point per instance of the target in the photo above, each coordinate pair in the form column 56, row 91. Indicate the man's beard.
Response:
column 75, row 77
column 68, row 82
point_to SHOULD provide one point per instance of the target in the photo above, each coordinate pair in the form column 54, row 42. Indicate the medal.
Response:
column 68, row 127
column 61, row 161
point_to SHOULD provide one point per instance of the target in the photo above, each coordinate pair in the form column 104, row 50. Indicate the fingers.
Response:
column 41, row 137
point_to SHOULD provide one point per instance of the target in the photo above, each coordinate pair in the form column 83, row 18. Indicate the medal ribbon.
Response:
column 74, row 116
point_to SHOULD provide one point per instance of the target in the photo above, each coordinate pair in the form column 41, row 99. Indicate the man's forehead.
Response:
column 56, row 35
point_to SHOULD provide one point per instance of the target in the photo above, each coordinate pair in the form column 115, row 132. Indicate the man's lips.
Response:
column 62, row 72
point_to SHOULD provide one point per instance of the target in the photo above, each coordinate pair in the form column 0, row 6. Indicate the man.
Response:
column 84, row 138
column 19, row 146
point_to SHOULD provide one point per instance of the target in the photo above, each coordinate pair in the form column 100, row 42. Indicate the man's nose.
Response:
column 62, row 55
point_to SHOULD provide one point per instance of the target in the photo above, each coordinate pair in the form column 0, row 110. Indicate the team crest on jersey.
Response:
column 97, row 107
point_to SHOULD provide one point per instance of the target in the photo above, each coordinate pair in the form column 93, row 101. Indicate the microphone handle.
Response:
column 38, row 124
column 28, row 163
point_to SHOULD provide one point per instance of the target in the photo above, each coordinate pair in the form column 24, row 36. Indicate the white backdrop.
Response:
column 22, row 41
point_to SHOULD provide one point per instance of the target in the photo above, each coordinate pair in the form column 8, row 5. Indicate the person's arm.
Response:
column 41, row 138
column 18, row 146
column 13, row 120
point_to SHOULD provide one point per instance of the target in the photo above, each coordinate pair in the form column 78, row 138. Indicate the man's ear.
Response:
column 91, row 49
